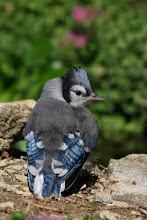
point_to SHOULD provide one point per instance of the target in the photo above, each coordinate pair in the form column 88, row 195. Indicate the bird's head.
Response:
column 76, row 88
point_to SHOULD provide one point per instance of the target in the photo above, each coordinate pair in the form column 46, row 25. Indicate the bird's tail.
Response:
column 46, row 184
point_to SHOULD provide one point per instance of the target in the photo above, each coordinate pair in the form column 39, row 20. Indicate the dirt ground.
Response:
column 78, row 202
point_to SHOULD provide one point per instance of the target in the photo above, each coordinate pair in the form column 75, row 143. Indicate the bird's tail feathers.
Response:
column 45, row 185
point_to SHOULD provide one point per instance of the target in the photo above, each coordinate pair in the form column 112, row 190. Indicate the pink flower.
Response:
column 79, row 13
column 42, row 217
column 71, row 36
column 78, row 40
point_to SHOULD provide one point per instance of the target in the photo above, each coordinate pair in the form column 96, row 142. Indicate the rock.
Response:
column 3, row 163
column 105, row 214
column 14, row 189
column 121, row 204
column 13, row 117
column 21, row 178
column 17, row 167
column 13, row 177
column 128, row 179
column 99, row 187
column 144, row 211
column 100, row 197
column 125, row 183
column 5, row 205
column 2, row 173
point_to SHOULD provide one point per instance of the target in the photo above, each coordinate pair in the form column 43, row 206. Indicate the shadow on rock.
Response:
column 85, row 177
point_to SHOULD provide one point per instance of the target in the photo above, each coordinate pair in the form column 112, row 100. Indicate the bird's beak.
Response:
column 93, row 98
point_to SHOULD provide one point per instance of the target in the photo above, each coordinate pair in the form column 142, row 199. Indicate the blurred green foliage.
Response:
column 17, row 215
column 35, row 47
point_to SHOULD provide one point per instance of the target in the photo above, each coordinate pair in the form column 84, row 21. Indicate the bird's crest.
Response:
column 77, row 75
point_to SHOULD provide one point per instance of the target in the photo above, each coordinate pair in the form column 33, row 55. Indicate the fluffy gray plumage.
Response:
column 53, row 118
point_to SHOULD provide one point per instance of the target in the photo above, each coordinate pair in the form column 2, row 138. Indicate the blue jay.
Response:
column 60, row 133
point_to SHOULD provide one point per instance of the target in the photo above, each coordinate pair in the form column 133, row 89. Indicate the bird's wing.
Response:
column 65, row 165
column 35, row 156
column 69, row 158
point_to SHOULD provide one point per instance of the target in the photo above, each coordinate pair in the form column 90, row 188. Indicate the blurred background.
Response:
column 40, row 40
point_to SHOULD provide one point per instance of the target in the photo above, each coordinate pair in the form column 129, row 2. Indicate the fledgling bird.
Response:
column 60, row 133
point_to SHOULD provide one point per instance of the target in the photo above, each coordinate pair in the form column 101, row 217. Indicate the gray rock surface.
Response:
column 125, row 182
column 128, row 179
column 13, row 117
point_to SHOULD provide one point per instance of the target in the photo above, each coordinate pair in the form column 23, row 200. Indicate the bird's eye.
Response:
column 78, row 92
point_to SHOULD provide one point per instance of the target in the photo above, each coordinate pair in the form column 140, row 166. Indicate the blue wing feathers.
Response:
column 34, row 156
column 65, row 163
column 72, row 158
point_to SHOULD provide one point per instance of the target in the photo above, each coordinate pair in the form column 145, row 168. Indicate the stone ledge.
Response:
column 13, row 117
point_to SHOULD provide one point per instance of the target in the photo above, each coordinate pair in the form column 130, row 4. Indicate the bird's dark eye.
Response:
column 78, row 92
